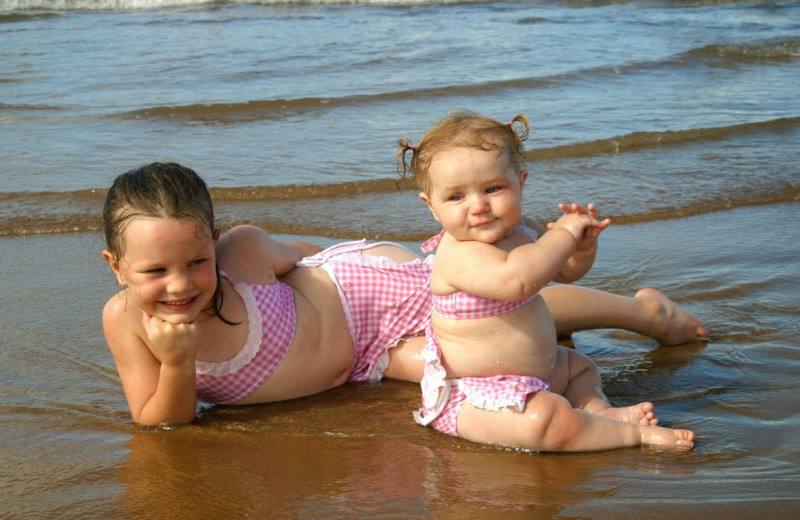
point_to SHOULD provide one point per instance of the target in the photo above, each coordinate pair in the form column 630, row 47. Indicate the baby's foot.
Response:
column 671, row 324
column 641, row 414
column 667, row 438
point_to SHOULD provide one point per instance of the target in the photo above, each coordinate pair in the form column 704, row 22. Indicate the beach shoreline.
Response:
column 357, row 449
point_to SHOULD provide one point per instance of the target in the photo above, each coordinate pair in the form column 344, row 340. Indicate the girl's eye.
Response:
column 199, row 261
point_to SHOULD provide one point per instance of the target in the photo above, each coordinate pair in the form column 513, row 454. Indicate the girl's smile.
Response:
column 180, row 305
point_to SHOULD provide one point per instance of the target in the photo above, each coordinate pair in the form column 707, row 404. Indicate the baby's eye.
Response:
column 156, row 270
column 455, row 198
column 493, row 189
column 199, row 261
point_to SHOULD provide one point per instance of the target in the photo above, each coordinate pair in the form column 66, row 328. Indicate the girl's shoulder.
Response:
column 118, row 317
column 123, row 330
column 115, row 306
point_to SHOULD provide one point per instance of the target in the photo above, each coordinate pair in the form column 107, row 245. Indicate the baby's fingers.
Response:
column 569, row 208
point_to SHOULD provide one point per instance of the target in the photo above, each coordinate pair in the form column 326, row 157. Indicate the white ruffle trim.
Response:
column 494, row 404
column 251, row 346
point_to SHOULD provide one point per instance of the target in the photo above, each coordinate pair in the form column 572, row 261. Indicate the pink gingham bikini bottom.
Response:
column 384, row 302
column 443, row 398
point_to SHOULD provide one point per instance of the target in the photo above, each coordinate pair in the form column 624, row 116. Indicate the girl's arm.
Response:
column 250, row 254
column 157, row 390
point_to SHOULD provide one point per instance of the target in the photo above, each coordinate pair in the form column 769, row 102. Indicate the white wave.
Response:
column 124, row 5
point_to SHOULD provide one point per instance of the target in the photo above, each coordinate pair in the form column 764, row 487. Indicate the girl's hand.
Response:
column 171, row 343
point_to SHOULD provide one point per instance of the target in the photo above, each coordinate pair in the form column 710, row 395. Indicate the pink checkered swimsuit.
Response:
column 271, row 320
column 384, row 302
column 443, row 398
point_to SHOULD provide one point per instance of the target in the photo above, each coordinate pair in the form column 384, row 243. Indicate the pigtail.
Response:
column 407, row 166
column 521, row 121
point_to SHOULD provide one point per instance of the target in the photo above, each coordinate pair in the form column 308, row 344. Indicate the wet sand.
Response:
column 70, row 450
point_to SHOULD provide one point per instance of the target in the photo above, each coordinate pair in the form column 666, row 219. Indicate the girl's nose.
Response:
column 179, row 283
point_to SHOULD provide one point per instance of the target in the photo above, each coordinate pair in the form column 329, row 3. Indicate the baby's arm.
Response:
column 155, row 361
column 583, row 258
column 532, row 224
column 249, row 253
column 489, row 271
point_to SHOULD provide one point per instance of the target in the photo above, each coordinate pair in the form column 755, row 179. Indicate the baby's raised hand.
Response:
column 171, row 343
column 574, row 223
column 590, row 210
column 589, row 238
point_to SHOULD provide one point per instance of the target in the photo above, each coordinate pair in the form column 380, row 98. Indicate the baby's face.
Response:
column 475, row 194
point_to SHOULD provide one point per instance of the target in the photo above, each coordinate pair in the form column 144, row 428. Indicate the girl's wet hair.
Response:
column 463, row 128
column 159, row 190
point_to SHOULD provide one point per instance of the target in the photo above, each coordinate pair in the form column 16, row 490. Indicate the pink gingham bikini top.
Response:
column 271, row 318
column 461, row 305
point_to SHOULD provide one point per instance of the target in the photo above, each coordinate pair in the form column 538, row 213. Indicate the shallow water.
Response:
column 70, row 448
column 678, row 119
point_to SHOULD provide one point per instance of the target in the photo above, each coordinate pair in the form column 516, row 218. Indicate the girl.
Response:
column 239, row 324
column 488, row 319
column 189, row 325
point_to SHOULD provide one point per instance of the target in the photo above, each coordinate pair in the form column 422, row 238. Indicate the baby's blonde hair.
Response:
column 463, row 128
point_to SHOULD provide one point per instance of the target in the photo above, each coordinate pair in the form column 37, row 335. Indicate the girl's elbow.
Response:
column 152, row 417
column 153, row 421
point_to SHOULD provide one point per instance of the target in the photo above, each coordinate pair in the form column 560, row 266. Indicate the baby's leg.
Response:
column 669, row 323
column 549, row 423
column 577, row 378
column 649, row 313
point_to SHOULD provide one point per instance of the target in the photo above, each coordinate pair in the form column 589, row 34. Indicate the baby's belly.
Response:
column 522, row 342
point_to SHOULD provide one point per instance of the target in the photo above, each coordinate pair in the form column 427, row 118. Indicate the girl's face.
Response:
column 475, row 194
column 169, row 267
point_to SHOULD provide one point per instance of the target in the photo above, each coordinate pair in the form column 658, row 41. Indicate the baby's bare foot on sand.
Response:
column 671, row 324
column 641, row 414
column 666, row 438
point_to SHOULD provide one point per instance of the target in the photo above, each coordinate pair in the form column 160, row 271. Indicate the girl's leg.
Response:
column 549, row 423
column 405, row 360
column 649, row 313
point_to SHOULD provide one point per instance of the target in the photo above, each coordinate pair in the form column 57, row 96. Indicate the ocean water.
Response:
column 679, row 119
